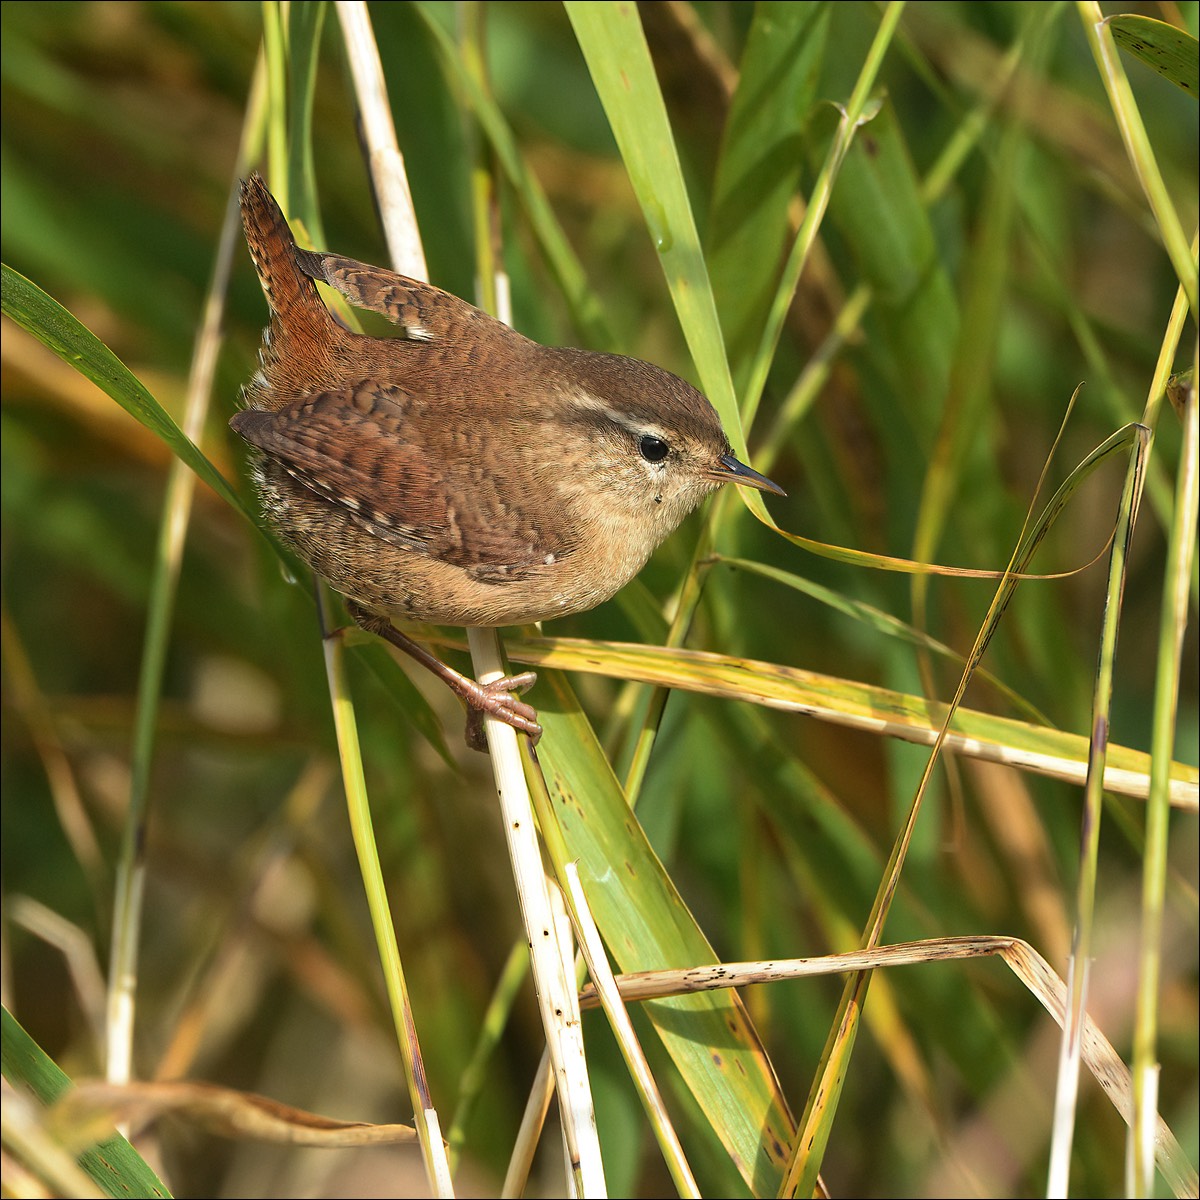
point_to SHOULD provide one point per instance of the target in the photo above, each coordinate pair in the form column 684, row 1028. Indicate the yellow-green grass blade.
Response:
column 1052, row 752
column 882, row 622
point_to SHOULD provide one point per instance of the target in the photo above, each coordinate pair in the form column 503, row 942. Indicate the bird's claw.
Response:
column 498, row 699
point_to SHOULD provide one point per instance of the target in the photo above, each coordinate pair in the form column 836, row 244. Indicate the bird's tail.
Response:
column 301, row 327
column 273, row 249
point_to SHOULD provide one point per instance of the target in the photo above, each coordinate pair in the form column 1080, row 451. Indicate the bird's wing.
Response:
column 391, row 461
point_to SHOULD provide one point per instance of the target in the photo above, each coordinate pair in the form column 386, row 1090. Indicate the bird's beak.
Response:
column 732, row 471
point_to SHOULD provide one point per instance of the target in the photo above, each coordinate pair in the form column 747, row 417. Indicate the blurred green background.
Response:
column 1037, row 267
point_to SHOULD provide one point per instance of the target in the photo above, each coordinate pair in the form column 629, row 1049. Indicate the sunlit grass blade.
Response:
column 618, row 58
column 1046, row 751
column 875, row 618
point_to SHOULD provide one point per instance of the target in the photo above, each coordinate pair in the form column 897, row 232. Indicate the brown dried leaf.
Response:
column 225, row 1112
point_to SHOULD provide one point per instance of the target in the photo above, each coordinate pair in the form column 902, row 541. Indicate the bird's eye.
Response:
column 653, row 449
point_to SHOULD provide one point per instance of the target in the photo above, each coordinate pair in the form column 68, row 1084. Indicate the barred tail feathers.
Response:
column 299, row 318
column 273, row 249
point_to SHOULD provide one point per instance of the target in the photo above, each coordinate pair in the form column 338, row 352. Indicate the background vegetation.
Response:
column 1010, row 255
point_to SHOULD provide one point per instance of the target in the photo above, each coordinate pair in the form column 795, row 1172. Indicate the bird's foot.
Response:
column 498, row 699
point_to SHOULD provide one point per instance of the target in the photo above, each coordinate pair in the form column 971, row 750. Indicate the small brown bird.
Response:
column 459, row 473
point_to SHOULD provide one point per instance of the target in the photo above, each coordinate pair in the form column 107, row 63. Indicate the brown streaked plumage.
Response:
column 460, row 473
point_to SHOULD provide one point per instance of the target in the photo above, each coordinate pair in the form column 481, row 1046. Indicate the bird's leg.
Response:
column 496, row 699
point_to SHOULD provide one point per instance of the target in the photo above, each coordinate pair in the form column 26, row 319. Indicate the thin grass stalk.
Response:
column 1137, row 145
column 856, row 113
column 551, row 957
column 533, row 1119
column 816, row 371
column 610, row 998
column 388, row 175
column 1068, row 1073
column 1181, row 547
column 298, row 43
column 130, row 881
column 592, row 948
column 1167, row 353
column 816, row 1123
column 358, row 809
column 552, row 963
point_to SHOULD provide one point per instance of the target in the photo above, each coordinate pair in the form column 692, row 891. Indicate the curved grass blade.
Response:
column 225, row 1112
column 37, row 313
column 114, row 1164
column 877, row 619
column 1172, row 52
column 1113, row 444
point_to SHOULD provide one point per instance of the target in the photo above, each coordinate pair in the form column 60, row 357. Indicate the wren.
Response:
column 458, row 473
